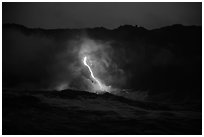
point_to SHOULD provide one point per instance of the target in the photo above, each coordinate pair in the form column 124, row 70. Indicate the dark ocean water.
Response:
column 79, row 112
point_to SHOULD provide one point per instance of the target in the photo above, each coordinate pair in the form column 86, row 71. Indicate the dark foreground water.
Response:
column 79, row 112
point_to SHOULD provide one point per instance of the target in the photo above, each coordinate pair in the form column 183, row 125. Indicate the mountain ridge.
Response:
column 126, row 26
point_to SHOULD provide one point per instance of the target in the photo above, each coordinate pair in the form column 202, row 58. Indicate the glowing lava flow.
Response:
column 92, row 75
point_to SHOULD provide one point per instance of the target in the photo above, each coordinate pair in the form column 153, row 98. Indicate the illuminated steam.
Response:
column 98, row 57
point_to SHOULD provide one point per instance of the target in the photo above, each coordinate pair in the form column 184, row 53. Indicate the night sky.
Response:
column 109, row 15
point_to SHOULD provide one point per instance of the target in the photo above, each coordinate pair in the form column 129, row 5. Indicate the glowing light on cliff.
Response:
column 92, row 75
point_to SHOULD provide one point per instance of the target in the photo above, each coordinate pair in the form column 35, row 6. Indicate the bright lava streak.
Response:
column 92, row 75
